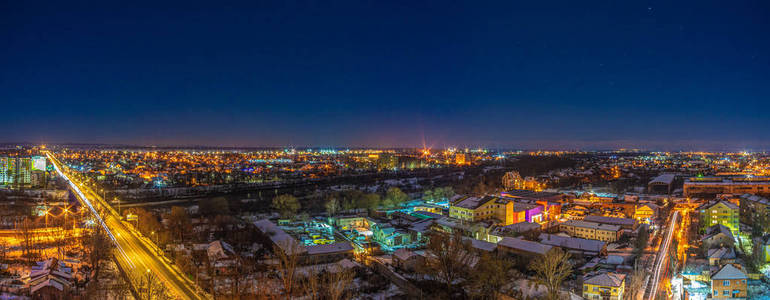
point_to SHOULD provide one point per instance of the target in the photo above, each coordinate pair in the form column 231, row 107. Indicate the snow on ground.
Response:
column 531, row 292
column 391, row 291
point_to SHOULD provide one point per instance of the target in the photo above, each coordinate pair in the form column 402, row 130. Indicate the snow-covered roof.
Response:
column 663, row 179
column 329, row 248
column 219, row 250
column 721, row 253
column 606, row 279
column 755, row 198
column 729, row 272
column 524, row 245
column 421, row 226
column 572, row 243
column 610, row 220
column 518, row 227
column 48, row 282
column 591, row 225
column 404, row 254
column 483, row 245
column 726, row 203
column 714, row 230
column 279, row 237
column 473, row 202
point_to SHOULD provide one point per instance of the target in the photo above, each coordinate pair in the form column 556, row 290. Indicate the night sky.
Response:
column 558, row 74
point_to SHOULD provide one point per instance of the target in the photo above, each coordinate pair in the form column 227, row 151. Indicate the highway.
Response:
column 661, row 258
column 134, row 254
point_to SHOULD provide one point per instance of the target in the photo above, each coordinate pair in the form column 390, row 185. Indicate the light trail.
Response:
column 662, row 256
column 131, row 245
column 83, row 199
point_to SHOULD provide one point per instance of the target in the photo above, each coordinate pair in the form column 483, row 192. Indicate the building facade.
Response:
column 707, row 186
column 591, row 230
column 605, row 286
column 729, row 283
column 721, row 212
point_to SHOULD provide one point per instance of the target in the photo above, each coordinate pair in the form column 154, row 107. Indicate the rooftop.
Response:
column 473, row 202
column 529, row 194
column 572, row 243
column 729, row 272
column 524, row 245
column 663, row 179
column 591, row 225
column 610, row 220
column 606, row 279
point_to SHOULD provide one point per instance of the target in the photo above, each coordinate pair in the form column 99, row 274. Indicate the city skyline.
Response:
column 652, row 75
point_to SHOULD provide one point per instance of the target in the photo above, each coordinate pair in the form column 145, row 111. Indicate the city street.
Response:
column 661, row 258
column 135, row 256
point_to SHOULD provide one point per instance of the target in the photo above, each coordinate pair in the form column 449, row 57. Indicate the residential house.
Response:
column 49, row 279
column 718, row 236
column 221, row 256
column 406, row 259
column 729, row 283
column 604, row 286
column 721, row 256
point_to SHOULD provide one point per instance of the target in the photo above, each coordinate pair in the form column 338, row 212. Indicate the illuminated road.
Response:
column 134, row 254
column 661, row 258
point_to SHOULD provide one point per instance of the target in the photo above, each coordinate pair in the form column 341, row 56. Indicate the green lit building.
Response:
column 18, row 171
column 721, row 212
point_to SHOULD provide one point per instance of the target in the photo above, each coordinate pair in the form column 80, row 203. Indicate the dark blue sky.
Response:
column 556, row 74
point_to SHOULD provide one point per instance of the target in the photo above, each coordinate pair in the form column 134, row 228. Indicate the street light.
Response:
column 47, row 212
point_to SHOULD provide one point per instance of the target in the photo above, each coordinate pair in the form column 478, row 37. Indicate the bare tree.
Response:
column 311, row 286
column 337, row 284
column 151, row 287
column 332, row 205
column 179, row 222
column 489, row 276
column 28, row 235
column 98, row 248
column 288, row 253
column 3, row 249
column 635, row 283
column 550, row 270
column 120, row 290
column 58, row 234
column 238, row 274
column 447, row 259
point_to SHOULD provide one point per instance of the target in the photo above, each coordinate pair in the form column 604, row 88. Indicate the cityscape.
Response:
column 385, row 150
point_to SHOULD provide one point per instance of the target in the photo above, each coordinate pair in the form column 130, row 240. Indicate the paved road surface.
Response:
column 661, row 259
column 135, row 256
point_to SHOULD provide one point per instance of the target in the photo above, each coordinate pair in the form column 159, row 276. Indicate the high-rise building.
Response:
column 16, row 171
